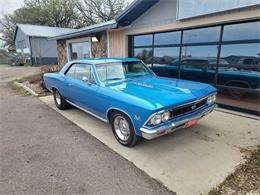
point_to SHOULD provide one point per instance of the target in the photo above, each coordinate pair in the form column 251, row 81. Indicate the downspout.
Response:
column 31, row 50
column 108, row 49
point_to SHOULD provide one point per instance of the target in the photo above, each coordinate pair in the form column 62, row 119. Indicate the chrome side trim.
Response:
column 87, row 111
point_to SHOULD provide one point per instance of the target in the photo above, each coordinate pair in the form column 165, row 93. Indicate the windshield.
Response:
column 118, row 71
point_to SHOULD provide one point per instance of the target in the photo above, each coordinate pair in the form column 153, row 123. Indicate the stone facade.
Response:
column 62, row 52
column 98, row 49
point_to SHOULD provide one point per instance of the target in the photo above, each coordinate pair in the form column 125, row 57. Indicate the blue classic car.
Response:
column 127, row 94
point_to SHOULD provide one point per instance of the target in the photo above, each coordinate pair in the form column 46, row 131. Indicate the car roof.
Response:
column 103, row 60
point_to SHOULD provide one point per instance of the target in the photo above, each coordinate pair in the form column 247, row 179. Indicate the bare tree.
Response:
column 59, row 13
column 96, row 11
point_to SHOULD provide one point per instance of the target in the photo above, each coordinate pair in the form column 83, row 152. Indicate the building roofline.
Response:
column 18, row 25
column 133, row 11
column 87, row 30
column 129, row 14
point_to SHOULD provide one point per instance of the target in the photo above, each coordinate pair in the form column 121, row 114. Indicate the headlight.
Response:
column 211, row 99
column 214, row 97
column 166, row 116
column 156, row 119
column 160, row 117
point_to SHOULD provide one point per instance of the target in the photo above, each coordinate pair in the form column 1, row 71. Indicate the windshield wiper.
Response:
column 139, row 75
column 114, row 79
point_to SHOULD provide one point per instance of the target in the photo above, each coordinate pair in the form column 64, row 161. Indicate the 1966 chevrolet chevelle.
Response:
column 127, row 94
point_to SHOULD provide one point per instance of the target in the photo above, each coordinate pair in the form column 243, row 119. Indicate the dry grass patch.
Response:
column 35, row 82
column 246, row 178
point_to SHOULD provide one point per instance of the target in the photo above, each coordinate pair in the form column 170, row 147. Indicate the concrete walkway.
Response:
column 190, row 161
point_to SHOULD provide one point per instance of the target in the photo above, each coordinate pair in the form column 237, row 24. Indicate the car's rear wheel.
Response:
column 123, row 129
column 60, row 102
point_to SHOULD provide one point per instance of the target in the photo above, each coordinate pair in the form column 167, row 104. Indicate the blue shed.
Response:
column 31, row 41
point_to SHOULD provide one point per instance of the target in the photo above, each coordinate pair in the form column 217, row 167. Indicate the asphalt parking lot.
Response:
column 41, row 152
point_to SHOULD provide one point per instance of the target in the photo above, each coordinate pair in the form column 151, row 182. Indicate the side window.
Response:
column 84, row 70
column 71, row 71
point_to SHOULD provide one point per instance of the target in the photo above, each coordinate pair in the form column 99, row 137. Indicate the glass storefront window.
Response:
column 79, row 50
column 166, row 55
column 166, row 61
column 244, row 31
column 202, row 35
column 236, row 73
column 198, row 63
column 143, row 40
column 167, row 38
column 238, row 80
column 243, row 69
column 202, row 52
column 242, row 54
column 145, row 54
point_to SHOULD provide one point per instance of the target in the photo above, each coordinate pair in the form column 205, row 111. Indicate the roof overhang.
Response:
column 97, row 28
column 133, row 11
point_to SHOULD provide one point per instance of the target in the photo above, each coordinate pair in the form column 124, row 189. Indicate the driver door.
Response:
column 82, row 87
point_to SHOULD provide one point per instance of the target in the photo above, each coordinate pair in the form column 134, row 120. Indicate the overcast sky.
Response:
column 8, row 6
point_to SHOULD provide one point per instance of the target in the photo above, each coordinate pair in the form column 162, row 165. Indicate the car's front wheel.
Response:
column 123, row 129
column 60, row 102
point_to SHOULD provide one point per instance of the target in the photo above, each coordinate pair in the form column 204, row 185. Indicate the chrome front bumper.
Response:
column 175, row 124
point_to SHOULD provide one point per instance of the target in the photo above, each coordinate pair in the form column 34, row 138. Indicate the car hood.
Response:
column 163, row 92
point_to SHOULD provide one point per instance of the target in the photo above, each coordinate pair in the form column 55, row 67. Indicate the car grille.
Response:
column 188, row 108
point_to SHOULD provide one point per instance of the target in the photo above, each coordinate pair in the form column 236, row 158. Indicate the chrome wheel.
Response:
column 122, row 128
column 58, row 98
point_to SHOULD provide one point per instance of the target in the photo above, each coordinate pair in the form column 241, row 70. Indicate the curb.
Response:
column 26, row 88
column 250, row 116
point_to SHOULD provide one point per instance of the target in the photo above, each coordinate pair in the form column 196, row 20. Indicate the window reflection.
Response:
column 143, row 40
column 236, row 73
column 239, row 80
column 238, row 77
column 166, row 55
column 198, row 63
column 167, row 38
column 210, row 34
column 201, row 52
column 245, row 55
column 244, row 31
column 243, row 70
column 239, row 98
column 145, row 54
column 79, row 50
column 164, row 61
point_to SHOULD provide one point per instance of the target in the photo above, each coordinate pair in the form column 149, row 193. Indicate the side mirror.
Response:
column 85, row 79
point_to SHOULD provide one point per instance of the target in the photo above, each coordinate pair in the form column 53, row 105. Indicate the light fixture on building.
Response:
column 95, row 39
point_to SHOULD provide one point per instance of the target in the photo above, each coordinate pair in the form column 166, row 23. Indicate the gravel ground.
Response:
column 44, row 153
